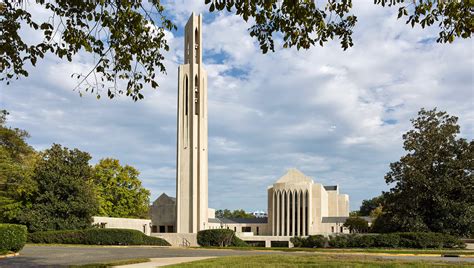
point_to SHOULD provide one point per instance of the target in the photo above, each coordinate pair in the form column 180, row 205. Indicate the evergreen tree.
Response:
column 433, row 183
column 65, row 197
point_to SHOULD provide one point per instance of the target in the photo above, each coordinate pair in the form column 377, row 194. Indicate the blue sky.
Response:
column 336, row 115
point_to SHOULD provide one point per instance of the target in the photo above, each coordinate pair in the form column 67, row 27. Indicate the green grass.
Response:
column 361, row 250
column 110, row 264
column 4, row 252
column 311, row 261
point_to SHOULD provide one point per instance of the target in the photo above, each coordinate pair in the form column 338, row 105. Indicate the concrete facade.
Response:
column 192, row 156
column 163, row 214
column 297, row 206
column 142, row 225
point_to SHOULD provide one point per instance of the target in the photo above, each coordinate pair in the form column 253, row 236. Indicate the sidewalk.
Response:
column 158, row 262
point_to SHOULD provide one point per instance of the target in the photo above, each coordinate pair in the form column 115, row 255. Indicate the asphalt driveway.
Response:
column 62, row 256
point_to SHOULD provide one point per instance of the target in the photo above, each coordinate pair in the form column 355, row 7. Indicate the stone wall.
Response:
column 142, row 225
column 178, row 240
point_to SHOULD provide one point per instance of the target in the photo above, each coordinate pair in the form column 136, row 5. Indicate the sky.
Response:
column 338, row 116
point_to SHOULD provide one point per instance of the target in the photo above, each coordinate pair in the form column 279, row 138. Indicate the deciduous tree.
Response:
column 236, row 214
column 119, row 190
column 125, row 39
column 17, row 162
column 356, row 224
column 305, row 23
column 369, row 205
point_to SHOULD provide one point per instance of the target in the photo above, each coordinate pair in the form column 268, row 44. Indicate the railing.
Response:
column 185, row 243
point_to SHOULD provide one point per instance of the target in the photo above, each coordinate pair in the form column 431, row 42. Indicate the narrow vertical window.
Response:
column 306, row 208
column 196, row 46
column 186, row 99
column 196, row 95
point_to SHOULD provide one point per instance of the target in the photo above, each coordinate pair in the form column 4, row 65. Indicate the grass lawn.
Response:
column 311, row 261
column 363, row 250
column 110, row 264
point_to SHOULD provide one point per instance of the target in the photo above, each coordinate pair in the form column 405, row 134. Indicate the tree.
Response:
column 433, row 183
column 17, row 162
column 304, row 24
column 119, row 190
column 356, row 224
column 223, row 213
column 125, row 39
column 65, row 197
column 236, row 214
column 241, row 214
column 369, row 205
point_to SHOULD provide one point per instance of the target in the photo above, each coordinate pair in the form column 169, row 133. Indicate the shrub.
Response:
column 237, row 242
column 12, row 237
column 96, row 237
column 338, row 241
column 394, row 240
column 315, row 241
column 297, row 241
column 361, row 241
column 429, row 240
column 387, row 240
column 215, row 237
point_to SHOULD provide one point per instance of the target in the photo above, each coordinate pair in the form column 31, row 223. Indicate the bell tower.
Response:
column 191, row 168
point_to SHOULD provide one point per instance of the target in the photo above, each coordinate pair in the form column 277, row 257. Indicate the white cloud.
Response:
column 337, row 115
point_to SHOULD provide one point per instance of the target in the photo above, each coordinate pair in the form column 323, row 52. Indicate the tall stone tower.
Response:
column 191, row 171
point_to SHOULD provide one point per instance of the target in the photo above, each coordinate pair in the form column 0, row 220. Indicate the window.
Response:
column 342, row 230
column 154, row 229
column 196, row 95
column 246, row 229
column 196, row 47
column 162, row 229
column 186, row 103
column 332, row 229
column 170, row 229
column 235, row 229
column 257, row 230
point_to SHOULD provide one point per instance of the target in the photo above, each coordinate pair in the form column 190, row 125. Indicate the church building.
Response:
column 297, row 206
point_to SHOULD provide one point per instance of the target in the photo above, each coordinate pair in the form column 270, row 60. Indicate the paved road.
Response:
column 61, row 256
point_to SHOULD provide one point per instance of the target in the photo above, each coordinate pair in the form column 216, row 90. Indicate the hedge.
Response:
column 312, row 241
column 12, row 237
column 397, row 240
column 219, row 238
column 392, row 240
column 96, row 237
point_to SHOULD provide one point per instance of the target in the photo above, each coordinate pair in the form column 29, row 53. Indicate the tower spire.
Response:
column 192, row 158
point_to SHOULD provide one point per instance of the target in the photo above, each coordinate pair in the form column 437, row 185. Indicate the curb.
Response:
column 9, row 255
